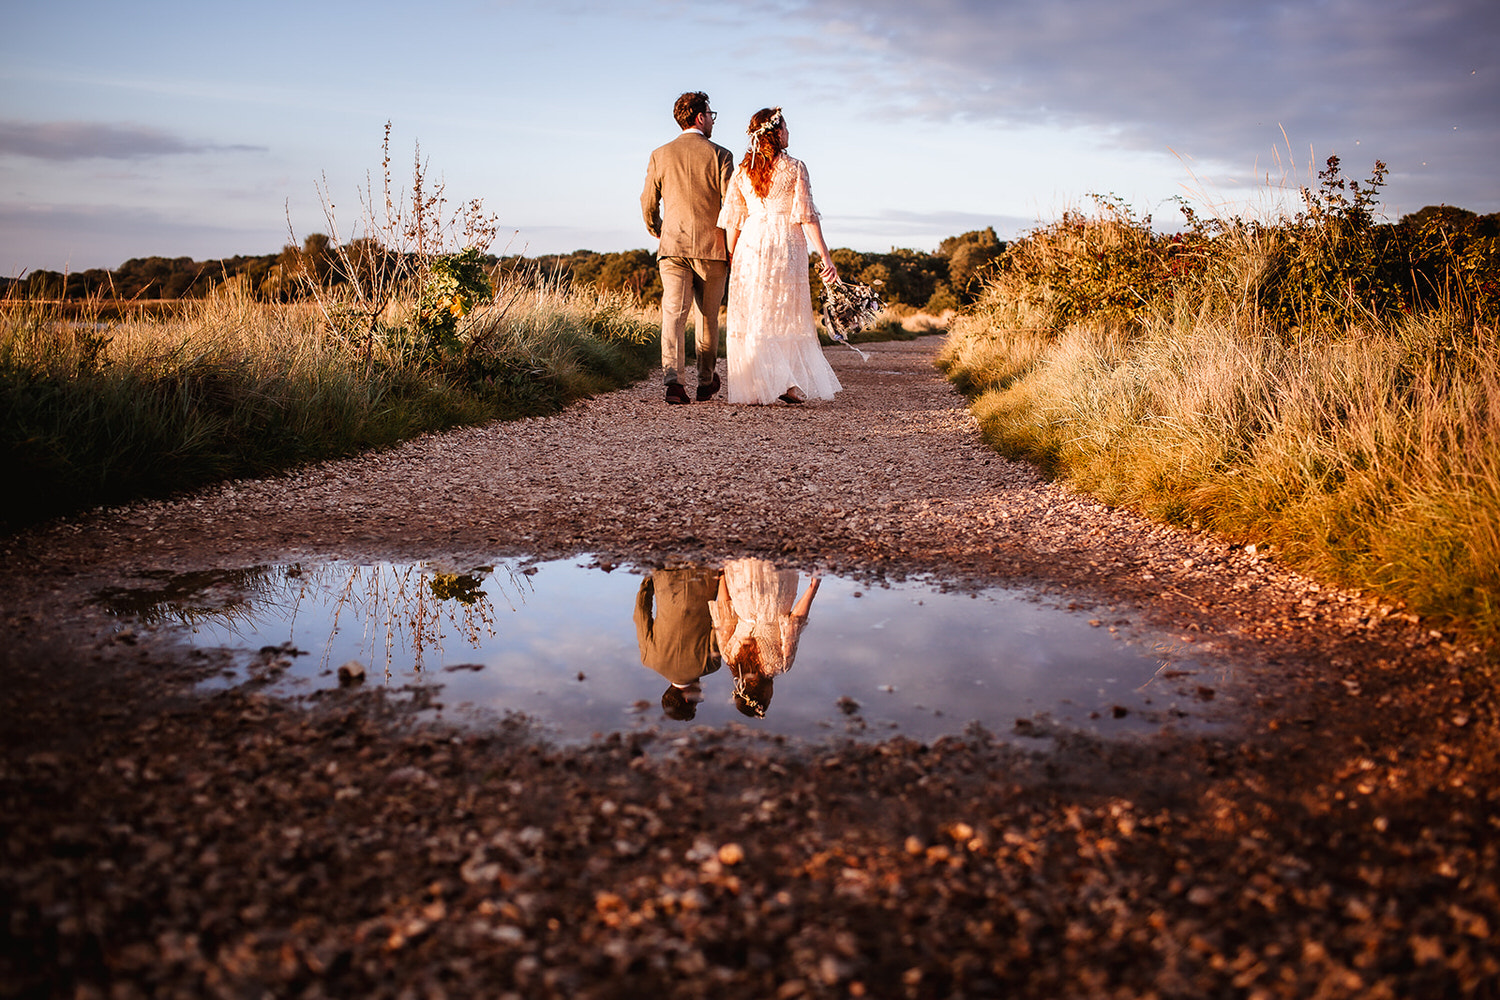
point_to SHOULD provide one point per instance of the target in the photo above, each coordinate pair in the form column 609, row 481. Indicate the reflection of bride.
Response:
column 758, row 619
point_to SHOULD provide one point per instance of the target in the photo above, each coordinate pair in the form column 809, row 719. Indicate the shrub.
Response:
column 1320, row 382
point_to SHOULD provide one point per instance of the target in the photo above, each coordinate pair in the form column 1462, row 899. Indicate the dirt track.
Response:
column 1339, row 843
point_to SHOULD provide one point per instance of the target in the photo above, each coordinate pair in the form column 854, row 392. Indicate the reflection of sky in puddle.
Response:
column 558, row 642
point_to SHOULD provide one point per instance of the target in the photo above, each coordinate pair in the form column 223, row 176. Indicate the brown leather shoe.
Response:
column 705, row 391
column 676, row 394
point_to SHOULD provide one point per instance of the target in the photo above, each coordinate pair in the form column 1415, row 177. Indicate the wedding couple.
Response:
column 748, row 227
column 749, row 614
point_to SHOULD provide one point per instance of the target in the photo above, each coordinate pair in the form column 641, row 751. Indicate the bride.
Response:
column 768, row 220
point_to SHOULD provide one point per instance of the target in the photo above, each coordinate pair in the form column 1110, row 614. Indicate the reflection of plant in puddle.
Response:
column 409, row 606
column 412, row 607
column 465, row 588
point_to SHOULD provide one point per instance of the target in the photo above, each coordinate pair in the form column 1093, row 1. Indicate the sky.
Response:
column 205, row 130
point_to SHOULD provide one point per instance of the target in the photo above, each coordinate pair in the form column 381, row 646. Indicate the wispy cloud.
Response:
column 1413, row 82
column 1165, row 61
column 61, row 141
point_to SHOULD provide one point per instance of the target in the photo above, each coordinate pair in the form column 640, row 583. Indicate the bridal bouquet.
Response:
column 847, row 309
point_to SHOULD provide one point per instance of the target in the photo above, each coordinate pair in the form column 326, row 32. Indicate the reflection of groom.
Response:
column 675, row 633
column 685, row 185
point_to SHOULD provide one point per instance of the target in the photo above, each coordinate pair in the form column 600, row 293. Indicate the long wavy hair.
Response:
column 765, row 147
column 747, row 659
column 752, row 686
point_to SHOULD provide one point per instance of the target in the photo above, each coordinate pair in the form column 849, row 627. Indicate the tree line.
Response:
column 945, row 279
column 948, row 278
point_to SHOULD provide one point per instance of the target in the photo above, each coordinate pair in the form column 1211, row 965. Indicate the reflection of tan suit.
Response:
column 676, row 635
column 685, row 185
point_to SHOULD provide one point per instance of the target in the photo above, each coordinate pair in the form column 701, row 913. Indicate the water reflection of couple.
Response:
column 749, row 613
column 759, row 216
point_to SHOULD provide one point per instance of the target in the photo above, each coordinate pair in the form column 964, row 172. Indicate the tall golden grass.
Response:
column 1365, row 447
column 99, row 411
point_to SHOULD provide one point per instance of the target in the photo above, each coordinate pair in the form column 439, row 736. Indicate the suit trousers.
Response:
column 686, row 282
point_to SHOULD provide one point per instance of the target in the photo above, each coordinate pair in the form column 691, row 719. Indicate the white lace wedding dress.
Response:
column 759, row 608
column 772, row 340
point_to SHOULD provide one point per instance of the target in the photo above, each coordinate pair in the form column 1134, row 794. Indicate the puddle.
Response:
column 583, row 651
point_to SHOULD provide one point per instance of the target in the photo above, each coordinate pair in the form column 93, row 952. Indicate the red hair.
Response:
column 765, row 146
column 747, row 659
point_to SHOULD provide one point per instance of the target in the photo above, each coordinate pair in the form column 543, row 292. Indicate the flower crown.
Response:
column 743, row 694
column 766, row 127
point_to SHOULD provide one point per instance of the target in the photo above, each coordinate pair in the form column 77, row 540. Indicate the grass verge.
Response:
column 1360, row 444
column 97, row 412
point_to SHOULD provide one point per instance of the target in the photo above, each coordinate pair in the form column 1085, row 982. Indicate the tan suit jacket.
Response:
column 673, row 626
column 686, row 181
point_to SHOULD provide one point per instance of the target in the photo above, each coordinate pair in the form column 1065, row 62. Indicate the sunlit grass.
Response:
column 102, row 411
column 1365, row 450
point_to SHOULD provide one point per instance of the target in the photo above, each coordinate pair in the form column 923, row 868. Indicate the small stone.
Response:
column 352, row 673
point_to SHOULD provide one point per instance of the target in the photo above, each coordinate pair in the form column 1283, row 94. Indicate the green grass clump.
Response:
column 97, row 412
column 1265, row 387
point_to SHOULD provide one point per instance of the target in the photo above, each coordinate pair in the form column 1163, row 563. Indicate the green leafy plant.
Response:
column 393, row 274
column 453, row 285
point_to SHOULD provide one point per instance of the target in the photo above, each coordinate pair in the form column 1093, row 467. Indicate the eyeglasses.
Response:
column 713, row 116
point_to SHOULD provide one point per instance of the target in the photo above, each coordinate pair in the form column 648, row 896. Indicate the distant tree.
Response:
column 317, row 256
column 632, row 271
column 159, row 277
column 947, row 278
column 1446, row 216
column 906, row 277
column 43, row 284
column 969, row 255
column 877, row 275
column 913, row 275
column 941, row 300
column 1451, row 220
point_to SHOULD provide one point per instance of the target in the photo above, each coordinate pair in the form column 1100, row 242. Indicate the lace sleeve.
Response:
column 724, row 619
column 734, row 212
column 791, row 634
column 803, row 209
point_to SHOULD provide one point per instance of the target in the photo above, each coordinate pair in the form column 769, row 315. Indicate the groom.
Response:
column 686, row 181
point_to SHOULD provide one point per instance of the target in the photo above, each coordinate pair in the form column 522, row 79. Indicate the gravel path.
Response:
column 1338, row 843
column 891, row 477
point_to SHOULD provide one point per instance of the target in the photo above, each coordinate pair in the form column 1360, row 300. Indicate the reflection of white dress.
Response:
column 759, row 607
column 772, row 341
